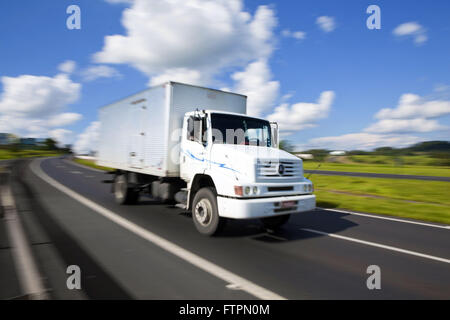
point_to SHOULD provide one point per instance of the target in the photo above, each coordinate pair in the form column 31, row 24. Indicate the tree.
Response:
column 286, row 145
column 51, row 144
column 67, row 149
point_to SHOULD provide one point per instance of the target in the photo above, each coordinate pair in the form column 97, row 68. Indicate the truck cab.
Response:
column 233, row 169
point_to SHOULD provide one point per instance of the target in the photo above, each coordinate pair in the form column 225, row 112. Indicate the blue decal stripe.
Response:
column 220, row 165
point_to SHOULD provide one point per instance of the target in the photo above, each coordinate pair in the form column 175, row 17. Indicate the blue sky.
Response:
column 326, row 87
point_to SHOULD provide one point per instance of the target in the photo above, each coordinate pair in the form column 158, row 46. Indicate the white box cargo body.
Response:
column 141, row 133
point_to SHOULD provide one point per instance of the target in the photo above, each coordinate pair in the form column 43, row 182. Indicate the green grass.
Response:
column 440, row 171
column 422, row 200
column 91, row 163
column 418, row 211
column 8, row 154
column 415, row 160
column 409, row 190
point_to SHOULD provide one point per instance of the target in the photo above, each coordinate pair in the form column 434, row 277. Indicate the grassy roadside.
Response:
column 422, row 200
column 7, row 154
column 91, row 163
column 439, row 171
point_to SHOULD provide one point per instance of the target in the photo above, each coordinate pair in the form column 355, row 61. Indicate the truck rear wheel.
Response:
column 205, row 213
column 275, row 222
column 122, row 191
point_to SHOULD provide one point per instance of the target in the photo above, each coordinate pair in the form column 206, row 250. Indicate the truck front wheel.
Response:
column 122, row 192
column 205, row 214
column 275, row 222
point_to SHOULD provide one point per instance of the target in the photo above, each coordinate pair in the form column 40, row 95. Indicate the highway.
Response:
column 152, row 250
column 377, row 175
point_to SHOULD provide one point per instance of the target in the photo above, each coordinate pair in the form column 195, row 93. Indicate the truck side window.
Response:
column 194, row 132
column 190, row 129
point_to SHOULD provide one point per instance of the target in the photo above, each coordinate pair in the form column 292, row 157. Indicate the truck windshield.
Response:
column 231, row 129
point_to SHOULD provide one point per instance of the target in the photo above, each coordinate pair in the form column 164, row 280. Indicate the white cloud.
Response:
column 68, row 66
column 326, row 24
column 299, row 35
column 37, row 95
column 412, row 114
column 64, row 119
column 62, row 136
column 180, row 75
column 101, row 71
column 442, row 88
column 412, row 29
column 302, row 115
column 359, row 141
column 30, row 105
column 255, row 82
column 405, row 126
column 88, row 140
column 413, row 106
column 189, row 38
column 192, row 41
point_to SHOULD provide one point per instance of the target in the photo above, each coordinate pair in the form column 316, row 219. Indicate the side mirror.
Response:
column 274, row 133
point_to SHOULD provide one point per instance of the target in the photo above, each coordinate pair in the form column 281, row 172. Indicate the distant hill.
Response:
column 437, row 148
column 431, row 146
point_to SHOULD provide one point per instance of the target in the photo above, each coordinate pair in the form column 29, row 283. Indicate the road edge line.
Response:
column 201, row 263
column 378, row 245
column 28, row 273
column 387, row 218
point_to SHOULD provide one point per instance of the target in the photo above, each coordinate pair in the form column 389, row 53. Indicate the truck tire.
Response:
column 122, row 192
column 274, row 223
column 205, row 213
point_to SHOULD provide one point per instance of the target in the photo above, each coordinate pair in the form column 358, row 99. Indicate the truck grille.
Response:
column 270, row 169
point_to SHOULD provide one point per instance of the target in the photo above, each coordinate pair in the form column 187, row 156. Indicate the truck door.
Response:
column 194, row 157
column 136, row 154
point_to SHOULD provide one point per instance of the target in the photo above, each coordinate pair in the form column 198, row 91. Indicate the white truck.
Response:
column 197, row 148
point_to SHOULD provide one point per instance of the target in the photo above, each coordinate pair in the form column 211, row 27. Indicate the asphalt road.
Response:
column 317, row 255
column 377, row 175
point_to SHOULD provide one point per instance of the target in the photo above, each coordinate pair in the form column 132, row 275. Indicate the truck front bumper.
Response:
column 264, row 207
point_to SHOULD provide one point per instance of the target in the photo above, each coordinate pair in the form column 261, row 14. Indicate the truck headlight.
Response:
column 245, row 190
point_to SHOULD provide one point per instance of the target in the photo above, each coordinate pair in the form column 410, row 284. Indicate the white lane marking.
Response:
column 378, row 245
column 75, row 172
column 174, row 249
column 27, row 271
column 387, row 218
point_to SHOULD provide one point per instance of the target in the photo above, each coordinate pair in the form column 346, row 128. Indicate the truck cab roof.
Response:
column 208, row 111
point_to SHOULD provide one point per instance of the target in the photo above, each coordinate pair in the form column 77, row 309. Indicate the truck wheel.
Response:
column 275, row 222
column 205, row 214
column 122, row 192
